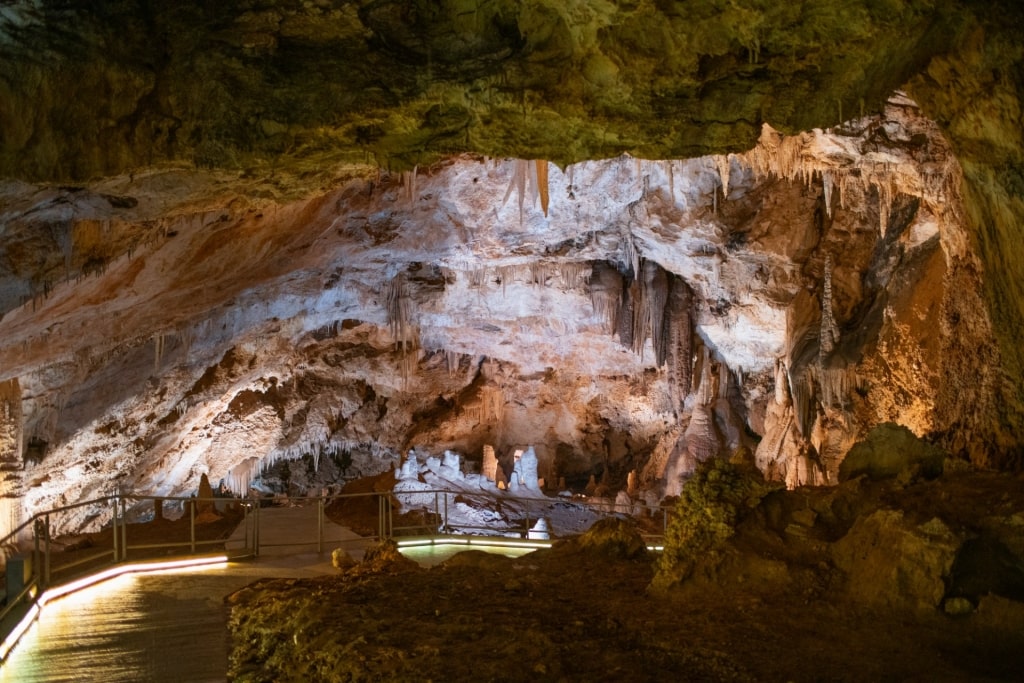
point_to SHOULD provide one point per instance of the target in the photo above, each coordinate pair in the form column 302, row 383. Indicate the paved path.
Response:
column 291, row 532
column 171, row 626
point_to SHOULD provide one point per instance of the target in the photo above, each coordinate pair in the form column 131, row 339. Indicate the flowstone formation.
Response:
column 621, row 315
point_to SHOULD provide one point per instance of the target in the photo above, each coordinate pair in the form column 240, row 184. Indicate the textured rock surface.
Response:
column 216, row 271
column 655, row 315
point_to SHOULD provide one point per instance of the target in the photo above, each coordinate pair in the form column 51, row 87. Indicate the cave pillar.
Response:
column 12, row 464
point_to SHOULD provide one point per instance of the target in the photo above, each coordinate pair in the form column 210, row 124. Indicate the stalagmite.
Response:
column 702, row 439
column 489, row 469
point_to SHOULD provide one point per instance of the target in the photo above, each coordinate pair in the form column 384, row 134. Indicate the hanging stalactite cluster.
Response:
column 657, row 306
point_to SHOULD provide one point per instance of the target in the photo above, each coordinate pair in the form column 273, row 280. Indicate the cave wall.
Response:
column 272, row 177
column 289, row 87
column 620, row 315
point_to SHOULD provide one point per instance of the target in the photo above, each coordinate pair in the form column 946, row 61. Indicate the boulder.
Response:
column 888, row 450
column 891, row 562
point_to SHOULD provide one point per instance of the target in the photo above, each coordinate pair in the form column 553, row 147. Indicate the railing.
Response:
column 427, row 513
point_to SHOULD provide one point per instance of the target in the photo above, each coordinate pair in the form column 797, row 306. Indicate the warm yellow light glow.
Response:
column 509, row 544
column 135, row 568
column 11, row 640
column 419, row 542
column 493, row 542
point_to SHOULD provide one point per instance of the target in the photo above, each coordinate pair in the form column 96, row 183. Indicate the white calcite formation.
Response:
column 524, row 473
column 625, row 314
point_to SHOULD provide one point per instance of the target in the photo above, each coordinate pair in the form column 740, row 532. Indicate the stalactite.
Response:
column 627, row 311
column 829, row 336
column 722, row 163
column 399, row 312
column 606, row 293
column 885, row 196
column 826, row 181
column 640, row 323
column 803, row 395
column 409, row 184
column 158, row 347
column 679, row 340
column 520, row 171
column 574, row 274
column 656, row 283
column 452, row 359
column 836, row 384
column 793, row 158
column 400, row 319
column 542, row 184
column 630, row 254
column 702, row 439
column 540, row 272
column 186, row 336
column 477, row 277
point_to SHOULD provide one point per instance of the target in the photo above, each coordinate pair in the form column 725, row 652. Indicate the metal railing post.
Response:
column 256, row 531
column 116, row 549
column 380, row 516
column 437, row 513
column 192, row 525
column 37, row 556
column 245, row 523
column 445, row 527
column 46, row 561
column 124, row 528
column 320, row 525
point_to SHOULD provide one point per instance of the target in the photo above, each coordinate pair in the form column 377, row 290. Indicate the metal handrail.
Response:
column 41, row 570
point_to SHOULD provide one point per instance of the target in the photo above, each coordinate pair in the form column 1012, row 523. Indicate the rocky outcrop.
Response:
column 433, row 310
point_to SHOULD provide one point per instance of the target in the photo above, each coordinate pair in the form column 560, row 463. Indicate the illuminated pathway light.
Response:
column 85, row 582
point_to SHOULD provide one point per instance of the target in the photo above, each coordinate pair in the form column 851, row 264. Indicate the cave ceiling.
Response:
column 208, row 206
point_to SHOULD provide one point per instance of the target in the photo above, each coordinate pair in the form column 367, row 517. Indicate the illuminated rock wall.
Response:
column 617, row 315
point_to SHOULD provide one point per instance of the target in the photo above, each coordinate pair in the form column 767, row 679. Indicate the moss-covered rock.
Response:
column 893, row 563
column 710, row 506
column 292, row 87
column 887, row 451
column 613, row 538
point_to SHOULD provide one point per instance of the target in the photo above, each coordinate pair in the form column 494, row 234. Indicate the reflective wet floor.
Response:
column 165, row 627
column 172, row 626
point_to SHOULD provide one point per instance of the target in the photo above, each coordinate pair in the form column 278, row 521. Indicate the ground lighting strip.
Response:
column 60, row 591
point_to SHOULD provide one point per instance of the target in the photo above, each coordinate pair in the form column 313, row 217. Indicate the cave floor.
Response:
column 563, row 614
column 579, row 612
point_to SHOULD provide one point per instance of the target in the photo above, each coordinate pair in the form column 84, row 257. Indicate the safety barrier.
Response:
column 35, row 569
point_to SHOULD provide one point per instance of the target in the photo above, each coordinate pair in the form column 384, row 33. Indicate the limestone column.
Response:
column 12, row 464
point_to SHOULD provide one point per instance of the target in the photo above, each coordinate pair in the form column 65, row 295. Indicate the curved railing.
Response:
column 38, row 562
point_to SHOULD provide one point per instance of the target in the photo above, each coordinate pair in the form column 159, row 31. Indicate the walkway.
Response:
column 170, row 626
